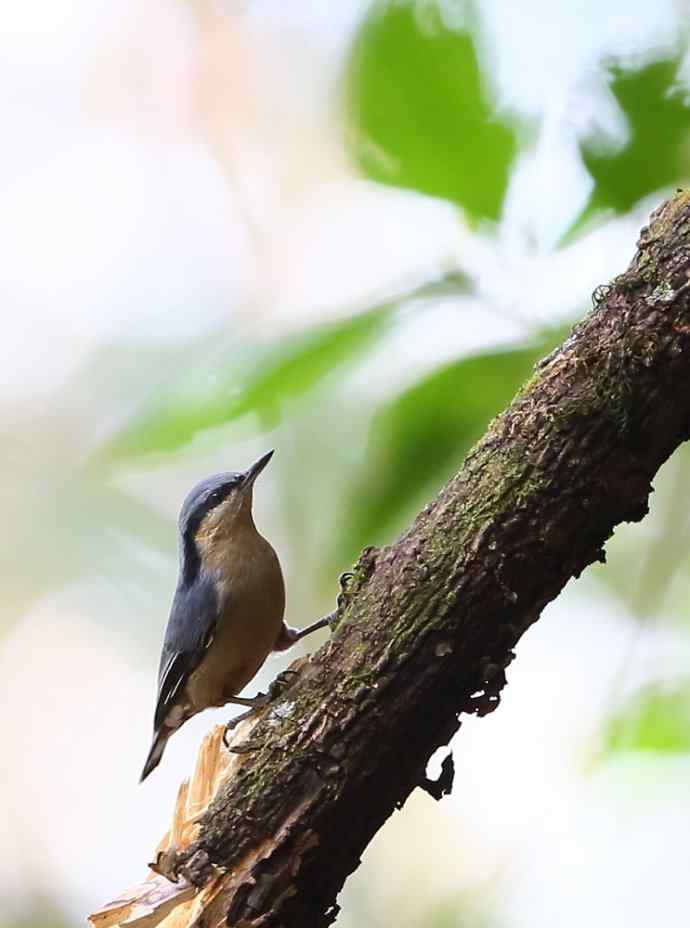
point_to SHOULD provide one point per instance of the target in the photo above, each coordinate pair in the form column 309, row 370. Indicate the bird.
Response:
column 227, row 612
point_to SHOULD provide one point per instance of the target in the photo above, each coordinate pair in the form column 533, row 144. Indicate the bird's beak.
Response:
column 253, row 472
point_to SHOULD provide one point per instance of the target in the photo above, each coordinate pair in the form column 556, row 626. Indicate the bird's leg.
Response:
column 315, row 626
column 230, row 725
column 288, row 635
column 256, row 702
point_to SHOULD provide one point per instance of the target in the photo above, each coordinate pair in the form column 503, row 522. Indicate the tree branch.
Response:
column 427, row 626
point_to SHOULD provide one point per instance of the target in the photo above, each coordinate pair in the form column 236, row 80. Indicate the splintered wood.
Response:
column 158, row 901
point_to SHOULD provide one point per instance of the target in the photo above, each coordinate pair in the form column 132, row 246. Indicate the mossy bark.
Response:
column 427, row 625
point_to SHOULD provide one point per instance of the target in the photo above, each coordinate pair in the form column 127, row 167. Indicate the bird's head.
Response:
column 220, row 503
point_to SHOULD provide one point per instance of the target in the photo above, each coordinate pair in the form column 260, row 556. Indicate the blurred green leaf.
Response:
column 89, row 531
column 295, row 369
column 292, row 368
column 467, row 910
column 657, row 151
column 420, row 437
column 656, row 720
column 420, row 113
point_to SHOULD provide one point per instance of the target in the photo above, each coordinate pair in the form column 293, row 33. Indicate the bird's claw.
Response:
column 232, row 723
column 259, row 701
column 283, row 681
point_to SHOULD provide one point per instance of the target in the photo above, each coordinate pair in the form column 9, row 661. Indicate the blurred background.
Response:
column 347, row 231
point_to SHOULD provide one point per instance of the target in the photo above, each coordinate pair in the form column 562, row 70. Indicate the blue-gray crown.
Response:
column 205, row 496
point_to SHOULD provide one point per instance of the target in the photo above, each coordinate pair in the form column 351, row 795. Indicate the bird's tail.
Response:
column 160, row 739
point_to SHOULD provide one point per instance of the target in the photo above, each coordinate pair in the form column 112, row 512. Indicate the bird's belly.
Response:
column 243, row 639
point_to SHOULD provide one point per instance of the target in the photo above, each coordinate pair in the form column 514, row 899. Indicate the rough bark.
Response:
column 426, row 626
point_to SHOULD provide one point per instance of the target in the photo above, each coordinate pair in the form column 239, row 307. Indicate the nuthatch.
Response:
column 227, row 612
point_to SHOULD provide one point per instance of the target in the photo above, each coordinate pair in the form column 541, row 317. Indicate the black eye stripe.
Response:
column 221, row 493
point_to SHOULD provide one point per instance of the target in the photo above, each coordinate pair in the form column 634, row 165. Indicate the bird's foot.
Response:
column 229, row 727
column 282, row 682
column 257, row 702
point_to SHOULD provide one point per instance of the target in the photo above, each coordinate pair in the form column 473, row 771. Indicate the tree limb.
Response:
column 426, row 627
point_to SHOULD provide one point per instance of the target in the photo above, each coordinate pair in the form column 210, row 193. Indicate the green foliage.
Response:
column 656, row 720
column 420, row 113
column 656, row 153
column 465, row 911
column 420, row 438
column 290, row 368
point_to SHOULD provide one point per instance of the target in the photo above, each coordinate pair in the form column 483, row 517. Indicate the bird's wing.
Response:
column 190, row 630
